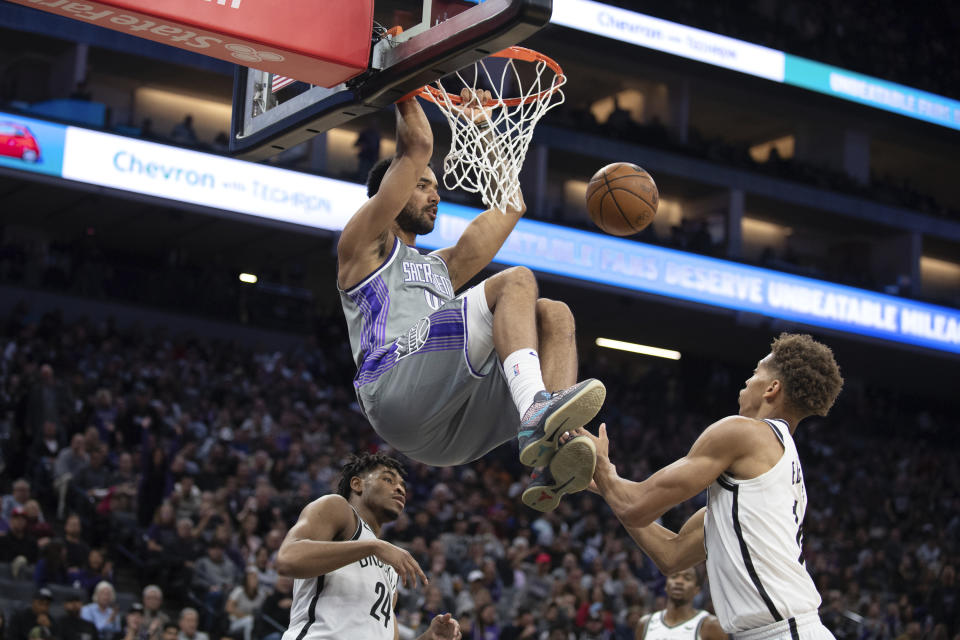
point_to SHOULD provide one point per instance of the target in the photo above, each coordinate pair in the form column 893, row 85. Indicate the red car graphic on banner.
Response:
column 16, row 141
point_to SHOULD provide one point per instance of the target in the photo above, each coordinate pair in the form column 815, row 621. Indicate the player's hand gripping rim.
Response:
column 402, row 562
column 472, row 108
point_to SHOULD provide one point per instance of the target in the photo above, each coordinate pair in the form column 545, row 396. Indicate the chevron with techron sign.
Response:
column 320, row 42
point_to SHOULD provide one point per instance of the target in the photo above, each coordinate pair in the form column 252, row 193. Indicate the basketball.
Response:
column 622, row 199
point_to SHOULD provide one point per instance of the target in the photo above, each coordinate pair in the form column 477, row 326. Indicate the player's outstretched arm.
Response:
column 711, row 630
column 319, row 543
column 638, row 504
column 670, row 551
column 369, row 227
column 479, row 243
column 483, row 237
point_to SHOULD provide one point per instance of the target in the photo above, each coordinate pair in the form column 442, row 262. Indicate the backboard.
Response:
column 272, row 113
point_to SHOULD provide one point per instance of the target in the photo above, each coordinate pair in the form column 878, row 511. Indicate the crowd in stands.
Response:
column 864, row 35
column 148, row 480
column 81, row 267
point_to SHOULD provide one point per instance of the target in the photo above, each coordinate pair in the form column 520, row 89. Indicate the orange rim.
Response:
column 433, row 94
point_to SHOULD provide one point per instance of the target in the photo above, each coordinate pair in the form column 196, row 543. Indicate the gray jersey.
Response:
column 416, row 381
column 389, row 304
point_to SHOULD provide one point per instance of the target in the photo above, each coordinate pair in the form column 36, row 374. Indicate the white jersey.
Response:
column 658, row 629
column 355, row 601
column 753, row 532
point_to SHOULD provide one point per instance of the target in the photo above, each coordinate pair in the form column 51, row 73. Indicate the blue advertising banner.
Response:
column 695, row 44
column 674, row 274
column 277, row 194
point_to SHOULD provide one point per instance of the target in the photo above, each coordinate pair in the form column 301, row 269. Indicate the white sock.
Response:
column 522, row 369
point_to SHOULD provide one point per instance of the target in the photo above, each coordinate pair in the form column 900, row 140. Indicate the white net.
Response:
column 488, row 146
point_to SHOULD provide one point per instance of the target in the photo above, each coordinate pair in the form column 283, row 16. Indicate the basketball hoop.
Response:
column 487, row 153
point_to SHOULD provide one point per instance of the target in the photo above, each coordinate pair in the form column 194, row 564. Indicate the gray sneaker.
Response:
column 551, row 414
column 570, row 470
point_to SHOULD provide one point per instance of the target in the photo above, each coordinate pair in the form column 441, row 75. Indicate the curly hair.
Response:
column 359, row 465
column 377, row 173
column 810, row 374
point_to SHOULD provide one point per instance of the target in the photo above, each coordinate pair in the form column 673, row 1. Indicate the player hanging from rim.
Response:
column 680, row 621
column 751, row 531
column 445, row 378
column 345, row 577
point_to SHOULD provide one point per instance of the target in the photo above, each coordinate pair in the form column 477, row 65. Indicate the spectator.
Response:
column 18, row 542
column 36, row 615
column 95, row 570
column 593, row 628
column 486, row 627
column 102, row 612
column 178, row 558
column 48, row 402
column 51, row 568
column 18, row 497
column 36, row 523
column 94, row 480
column 155, row 481
column 146, row 130
column 81, row 92
column 266, row 571
column 183, row 133
column 133, row 627
column 523, row 626
column 155, row 620
column 214, row 576
column 244, row 602
column 170, row 631
column 275, row 613
column 189, row 620
column 70, row 626
column 186, row 497
column 69, row 463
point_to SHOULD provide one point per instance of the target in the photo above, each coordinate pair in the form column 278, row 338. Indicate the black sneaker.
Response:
column 551, row 415
column 570, row 470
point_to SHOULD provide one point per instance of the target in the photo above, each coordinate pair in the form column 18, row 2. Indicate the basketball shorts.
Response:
column 440, row 396
column 805, row 626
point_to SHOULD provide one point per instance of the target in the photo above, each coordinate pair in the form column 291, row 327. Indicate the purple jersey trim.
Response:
column 447, row 333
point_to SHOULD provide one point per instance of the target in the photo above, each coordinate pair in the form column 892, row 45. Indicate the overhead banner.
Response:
column 712, row 48
column 669, row 37
column 209, row 180
column 182, row 175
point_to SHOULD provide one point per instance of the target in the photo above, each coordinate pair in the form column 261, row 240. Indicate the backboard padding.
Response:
column 397, row 68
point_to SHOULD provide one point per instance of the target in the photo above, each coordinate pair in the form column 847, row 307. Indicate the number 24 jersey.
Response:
column 355, row 601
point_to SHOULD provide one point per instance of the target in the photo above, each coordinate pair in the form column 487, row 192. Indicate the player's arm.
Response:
column 484, row 236
column 372, row 221
column 642, row 625
column 316, row 546
column 638, row 504
column 479, row 243
column 711, row 630
column 670, row 551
